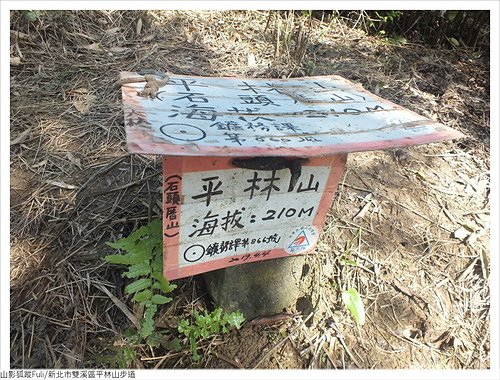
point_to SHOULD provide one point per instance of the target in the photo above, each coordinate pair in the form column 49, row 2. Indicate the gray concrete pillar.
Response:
column 257, row 289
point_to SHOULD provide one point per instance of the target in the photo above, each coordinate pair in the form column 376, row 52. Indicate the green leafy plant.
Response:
column 354, row 304
column 345, row 260
column 125, row 357
column 144, row 260
column 382, row 20
column 208, row 324
column 397, row 40
column 388, row 16
column 32, row 15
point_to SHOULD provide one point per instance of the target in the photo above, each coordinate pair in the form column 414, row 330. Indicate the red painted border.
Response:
column 164, row 148
column 182, row 165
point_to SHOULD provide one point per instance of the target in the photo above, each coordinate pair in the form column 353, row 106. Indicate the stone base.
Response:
column 256, row 289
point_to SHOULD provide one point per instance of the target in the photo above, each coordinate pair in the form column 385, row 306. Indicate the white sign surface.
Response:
column 239, row 116
column 233, row 212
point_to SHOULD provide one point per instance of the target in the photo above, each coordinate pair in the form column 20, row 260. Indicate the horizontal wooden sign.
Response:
column 208, row 116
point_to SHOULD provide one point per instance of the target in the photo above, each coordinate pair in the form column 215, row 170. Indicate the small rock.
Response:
column 401, row 156
column 461, row 233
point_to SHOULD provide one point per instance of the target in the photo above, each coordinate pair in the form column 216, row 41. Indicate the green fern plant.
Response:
column 143, row 257
column 208, row 324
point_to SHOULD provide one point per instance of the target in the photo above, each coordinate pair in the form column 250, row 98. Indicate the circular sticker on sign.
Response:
column 301, row 239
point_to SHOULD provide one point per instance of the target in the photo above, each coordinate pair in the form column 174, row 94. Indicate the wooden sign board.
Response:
column 231, row 205
column 309, row 116
column 217, row 215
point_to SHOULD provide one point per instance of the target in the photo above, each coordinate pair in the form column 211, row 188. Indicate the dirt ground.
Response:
column 416, row 221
